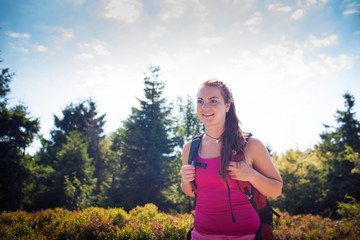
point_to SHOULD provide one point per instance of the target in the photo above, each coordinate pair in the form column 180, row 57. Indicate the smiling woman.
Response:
column 230, row 157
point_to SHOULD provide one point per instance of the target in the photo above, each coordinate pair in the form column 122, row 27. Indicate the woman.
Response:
column 222, row 137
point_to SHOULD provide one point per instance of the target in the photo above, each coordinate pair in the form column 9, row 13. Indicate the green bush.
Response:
column 146, row 222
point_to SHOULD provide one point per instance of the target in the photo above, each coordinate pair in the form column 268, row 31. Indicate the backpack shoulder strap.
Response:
column 246, row 187
column 195, row 144
column 247, row 136
column 194, row 148
column 250, row 196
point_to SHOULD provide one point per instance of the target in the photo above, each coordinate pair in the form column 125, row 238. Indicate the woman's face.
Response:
column 211, row 107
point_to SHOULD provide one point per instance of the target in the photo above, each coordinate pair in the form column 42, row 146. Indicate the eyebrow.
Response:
column 209, row 98
column 214, row 97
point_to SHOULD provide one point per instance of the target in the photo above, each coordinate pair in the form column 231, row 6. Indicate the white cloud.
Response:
column 100, row 50
column 84, row 57
column 353, row 5
column 327, row 65
column 172, row 11
column 18, row 35
column 283, row 62
column 351, row 11
column 63, row 34
column 66, row 34
column 278, row 7
column 24, row 50
column 210, row 40
column 314, row 42
column 245, row 3
column 339, row 63
column 179, row 9
column 298, row 14
column 95, row 47
column 40, row 48
column 310, row 2
column 125, row 11
column 254, row 21
column 352, row 8
column 158, row 32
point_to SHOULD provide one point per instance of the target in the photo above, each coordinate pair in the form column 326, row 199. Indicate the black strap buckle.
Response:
column 198, row 164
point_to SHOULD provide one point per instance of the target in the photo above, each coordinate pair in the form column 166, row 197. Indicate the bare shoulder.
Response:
column 185, row 152
column 256, row 151
column 260, row 159
column 254, row 144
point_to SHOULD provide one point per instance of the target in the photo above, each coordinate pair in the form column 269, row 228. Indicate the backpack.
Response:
column 257, row 200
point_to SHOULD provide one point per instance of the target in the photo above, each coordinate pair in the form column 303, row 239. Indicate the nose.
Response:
column 204, row 105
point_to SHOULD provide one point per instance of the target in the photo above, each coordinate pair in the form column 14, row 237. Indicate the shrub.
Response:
column 146, row 222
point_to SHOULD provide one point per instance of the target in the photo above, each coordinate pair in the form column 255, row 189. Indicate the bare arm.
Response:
column 187, row 172
column 258, row 169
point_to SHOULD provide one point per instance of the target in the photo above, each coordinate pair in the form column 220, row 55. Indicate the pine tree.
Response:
column 17, row 131
column 83, row 118
column 340, row 148
column 145, row 149
column 75, row 171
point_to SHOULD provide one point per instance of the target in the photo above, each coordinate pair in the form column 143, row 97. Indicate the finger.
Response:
column 186, row 175
column 188, row 167
column 235, row 164
column 231, row 168
column 232, row 177
column 189, row 178
column 189, row 171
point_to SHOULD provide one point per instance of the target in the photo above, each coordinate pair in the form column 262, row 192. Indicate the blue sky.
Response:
column 288, row 63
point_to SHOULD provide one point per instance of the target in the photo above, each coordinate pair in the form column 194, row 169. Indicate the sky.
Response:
column 288, row 63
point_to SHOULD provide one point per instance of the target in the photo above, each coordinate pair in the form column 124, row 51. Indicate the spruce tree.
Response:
column 17, row 131
column 83, row 117
column 145, row 149
column 340, row 148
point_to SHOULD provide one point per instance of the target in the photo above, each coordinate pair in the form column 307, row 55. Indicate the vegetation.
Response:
column 79, row 172
column 146, row 222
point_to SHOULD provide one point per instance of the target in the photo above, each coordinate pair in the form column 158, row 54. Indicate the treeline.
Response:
column 79, row 166
column 317, row 180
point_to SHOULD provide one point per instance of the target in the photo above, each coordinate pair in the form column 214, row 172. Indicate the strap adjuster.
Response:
column 198, row 164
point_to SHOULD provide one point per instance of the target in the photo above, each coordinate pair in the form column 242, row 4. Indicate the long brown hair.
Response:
column 233, row 138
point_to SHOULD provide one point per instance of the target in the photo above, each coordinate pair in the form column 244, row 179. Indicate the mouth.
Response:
column 208, row 114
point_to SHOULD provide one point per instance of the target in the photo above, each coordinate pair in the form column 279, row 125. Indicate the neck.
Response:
column 214, row 133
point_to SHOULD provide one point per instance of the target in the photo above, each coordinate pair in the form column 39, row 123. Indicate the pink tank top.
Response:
column 212, row 212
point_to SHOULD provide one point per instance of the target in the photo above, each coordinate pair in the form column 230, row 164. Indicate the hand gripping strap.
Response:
column 194, row 148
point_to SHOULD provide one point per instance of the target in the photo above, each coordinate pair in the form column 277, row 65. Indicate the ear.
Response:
column 228, row 106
